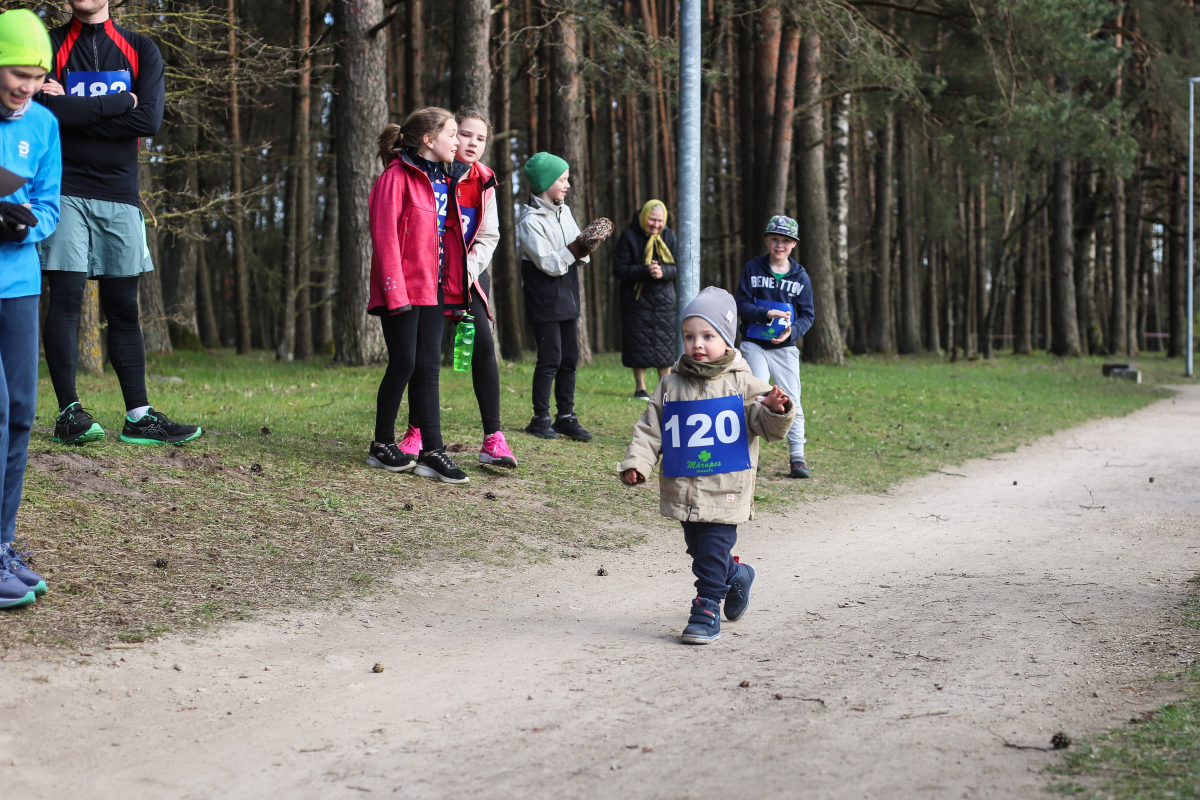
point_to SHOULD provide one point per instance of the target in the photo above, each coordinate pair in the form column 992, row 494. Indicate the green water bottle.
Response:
column 464, row 344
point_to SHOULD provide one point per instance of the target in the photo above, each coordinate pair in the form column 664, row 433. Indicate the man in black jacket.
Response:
column 106, row 89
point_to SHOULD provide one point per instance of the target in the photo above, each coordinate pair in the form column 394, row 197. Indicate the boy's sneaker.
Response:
column 14, row 562
column 76, row 426
column 14, row 592
column 704, row 625
column 389, row 456
column 568, row 425
column 495, row 451
column 541, row 427
column 642, row 394
column 738, row 599
column 155, row 428
column 436, row 464
column 800, row 469
column 412, row 442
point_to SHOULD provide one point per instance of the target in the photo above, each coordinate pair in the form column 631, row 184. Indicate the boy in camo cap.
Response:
column 774, row 287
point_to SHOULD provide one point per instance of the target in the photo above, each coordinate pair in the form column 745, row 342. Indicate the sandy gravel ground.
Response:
column 892, row 641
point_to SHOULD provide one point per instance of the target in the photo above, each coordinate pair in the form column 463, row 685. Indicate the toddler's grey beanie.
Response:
column 718, row 308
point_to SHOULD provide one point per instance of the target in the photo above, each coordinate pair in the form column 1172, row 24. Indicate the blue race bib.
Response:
column 94, row 84
column 704, row 437
column 769, row 331
column 470, row 221
column 442, row 198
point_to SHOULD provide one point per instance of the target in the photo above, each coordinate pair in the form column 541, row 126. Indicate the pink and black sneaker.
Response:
column 495, row 451
column 411, row 445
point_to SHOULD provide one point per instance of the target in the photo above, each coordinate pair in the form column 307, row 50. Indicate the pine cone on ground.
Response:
column 1060, row 741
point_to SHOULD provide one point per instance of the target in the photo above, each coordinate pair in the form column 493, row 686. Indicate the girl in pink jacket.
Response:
column 475, row 191
column 418, row 272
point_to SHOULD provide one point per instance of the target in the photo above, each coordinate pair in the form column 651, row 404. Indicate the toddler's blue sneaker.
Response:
column 13, row 591
column 738, row 599
column 704, row 625
column 14, row 562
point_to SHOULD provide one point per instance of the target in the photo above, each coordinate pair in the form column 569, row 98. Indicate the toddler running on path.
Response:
column 704, row 420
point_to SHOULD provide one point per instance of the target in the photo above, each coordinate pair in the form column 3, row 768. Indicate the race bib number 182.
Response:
column 94, row 84
column 704, row 437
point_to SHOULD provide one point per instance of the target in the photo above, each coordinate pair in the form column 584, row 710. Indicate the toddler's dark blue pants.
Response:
column 710, row 544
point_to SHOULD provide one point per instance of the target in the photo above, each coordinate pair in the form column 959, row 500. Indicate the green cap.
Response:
column 783, row 226
column 542, row 170
column 24, row 41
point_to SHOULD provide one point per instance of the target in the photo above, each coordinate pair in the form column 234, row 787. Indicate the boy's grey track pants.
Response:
column 783, row 365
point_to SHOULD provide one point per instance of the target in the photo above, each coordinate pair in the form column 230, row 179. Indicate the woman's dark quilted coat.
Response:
column 647, row 305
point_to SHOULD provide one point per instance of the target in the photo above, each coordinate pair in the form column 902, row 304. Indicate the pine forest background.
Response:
column 968, row 175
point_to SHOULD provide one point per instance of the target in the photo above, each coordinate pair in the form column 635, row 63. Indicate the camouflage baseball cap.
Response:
column 783, row 226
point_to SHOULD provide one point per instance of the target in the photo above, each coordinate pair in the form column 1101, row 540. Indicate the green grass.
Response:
column 1153, row 757
column 275, row 507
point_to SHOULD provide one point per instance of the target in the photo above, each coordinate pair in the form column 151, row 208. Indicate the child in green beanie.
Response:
column 552, row 248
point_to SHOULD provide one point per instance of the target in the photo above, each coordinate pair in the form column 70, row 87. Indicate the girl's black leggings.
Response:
column 414, row 344
column 60, row 337
column 485, row 371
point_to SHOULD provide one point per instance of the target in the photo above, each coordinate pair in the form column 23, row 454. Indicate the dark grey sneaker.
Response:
column 389, row 456
column 738, row 599
column 75, row 425
column 541, row 427
column 436, row 464
column 156, row 428
column 568, row 425
column 800, row 470
column 704, row 625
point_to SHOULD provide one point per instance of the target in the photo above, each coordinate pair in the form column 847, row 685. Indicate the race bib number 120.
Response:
column 704, row 437
column 94, row 84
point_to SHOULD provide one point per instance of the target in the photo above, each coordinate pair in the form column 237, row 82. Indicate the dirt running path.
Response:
column 891, row 641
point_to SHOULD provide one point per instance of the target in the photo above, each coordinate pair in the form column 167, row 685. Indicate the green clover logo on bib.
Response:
column 705, row 455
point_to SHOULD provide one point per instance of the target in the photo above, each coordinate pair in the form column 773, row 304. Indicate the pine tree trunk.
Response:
column 909, row 339
column 470, row 83
column 304, row 169
column 360, row 112
column 1176, row 272
column 1064, row 320
column 779, row 159
column 506, row 273
column 1085, row 258
column 152, row 311
column 750, row 239
column 983, row 333
column 566, row 140
column 206, row 312
column 881, row 278
column 1118, row 311
column 1023, row 313
column 766, row 64
column 241, row 271
column 414, row 56
column 1135, row 227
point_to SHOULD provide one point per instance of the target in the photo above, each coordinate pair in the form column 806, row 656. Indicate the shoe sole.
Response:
column 753, row 575
column 502, row 461
column 24, row 601
column 372, row 461
column 137, row 440
column 40, row 589
column 428, row 472
column 692, row 639
column 92, row 434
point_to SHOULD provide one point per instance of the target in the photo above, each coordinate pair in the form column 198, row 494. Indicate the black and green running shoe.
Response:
column 155, row 428
column 76, row 426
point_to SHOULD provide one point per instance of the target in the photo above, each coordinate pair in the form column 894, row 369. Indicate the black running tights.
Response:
column 60, row 338
column 485, row 371
column 414, row 344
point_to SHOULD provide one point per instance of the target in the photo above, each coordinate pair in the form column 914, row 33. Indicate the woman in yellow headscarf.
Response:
column 644, row 261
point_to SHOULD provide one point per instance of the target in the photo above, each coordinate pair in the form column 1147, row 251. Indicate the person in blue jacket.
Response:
column 775, row 303
column 30, row 179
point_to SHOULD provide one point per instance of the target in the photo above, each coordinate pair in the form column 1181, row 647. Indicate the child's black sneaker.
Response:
column 568, row 425
column 155, row 428
column 436, row 464
column 800, row 470
column 738, row 599
column 541, row 427
column 389, row 456
column 76, row 426
column 704, row 625
column 642, row 394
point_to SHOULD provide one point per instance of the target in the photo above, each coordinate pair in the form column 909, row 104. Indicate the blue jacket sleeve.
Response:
column 45, row 188
column 745, row 299
column 802, row 320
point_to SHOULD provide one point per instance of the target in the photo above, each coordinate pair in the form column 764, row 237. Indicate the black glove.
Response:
column 15, row 222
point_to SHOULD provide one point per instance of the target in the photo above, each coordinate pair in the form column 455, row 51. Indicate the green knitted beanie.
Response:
column 542, row 170
column 24, row 41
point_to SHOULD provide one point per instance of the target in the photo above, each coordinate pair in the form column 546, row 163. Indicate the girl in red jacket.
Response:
column 475, row 190
column 418, row 272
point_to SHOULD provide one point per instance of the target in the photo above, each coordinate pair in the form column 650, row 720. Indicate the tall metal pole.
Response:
column 688, row 282
column 1191, row 221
